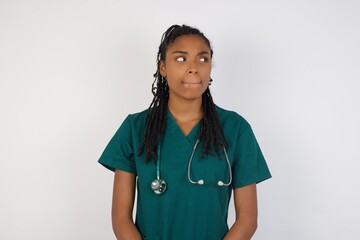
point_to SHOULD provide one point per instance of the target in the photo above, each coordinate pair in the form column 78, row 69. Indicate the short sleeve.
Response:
column 119, row 153
column 249, row 164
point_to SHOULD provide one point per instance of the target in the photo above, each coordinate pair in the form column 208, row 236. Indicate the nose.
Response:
column 192, row 71
column 193, row 68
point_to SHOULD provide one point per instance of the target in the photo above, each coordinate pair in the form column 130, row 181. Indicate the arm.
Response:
column 246, row 214
column 122, row 206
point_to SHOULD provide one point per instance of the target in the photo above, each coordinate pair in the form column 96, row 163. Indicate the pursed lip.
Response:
column 195, row 81
column 192, row 83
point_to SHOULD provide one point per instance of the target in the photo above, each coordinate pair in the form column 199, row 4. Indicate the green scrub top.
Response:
column 186, row 211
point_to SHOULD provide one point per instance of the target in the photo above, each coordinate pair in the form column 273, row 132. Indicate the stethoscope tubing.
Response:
column 201, row 182
column 159, row 185
column 189, row 164
column 229, row 166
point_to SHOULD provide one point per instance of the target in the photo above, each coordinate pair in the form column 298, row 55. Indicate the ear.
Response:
column 162, row 69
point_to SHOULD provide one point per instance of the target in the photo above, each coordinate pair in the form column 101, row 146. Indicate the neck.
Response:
column 185, row 110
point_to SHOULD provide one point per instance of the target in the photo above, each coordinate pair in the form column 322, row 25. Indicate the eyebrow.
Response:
column 185, row 52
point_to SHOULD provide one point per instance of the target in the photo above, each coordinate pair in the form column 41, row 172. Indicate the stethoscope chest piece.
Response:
column 158, row 186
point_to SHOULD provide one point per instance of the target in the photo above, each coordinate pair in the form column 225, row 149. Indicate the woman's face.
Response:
column 187, row 67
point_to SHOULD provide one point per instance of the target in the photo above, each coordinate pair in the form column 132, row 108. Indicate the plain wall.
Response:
column 70, row 72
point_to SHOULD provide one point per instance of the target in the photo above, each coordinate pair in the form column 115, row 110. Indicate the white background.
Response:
column 70, row 71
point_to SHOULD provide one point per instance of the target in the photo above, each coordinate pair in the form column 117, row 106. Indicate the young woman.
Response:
column 184, row 154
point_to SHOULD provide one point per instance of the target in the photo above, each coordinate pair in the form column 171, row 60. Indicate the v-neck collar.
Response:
column 174, row 129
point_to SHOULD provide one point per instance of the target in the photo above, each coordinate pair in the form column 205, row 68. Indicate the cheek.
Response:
column 173, row 70
column 206, row 73
column 175, row 75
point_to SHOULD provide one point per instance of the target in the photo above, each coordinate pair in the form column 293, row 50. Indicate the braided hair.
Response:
column 210, row 132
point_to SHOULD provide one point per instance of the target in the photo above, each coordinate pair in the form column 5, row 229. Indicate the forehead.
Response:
column 189, row 42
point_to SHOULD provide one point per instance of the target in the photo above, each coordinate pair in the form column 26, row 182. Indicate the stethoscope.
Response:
column 159, row 185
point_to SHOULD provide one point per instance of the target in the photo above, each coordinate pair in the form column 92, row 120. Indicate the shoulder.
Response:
column 137, row 119
column 138, row 116
column 231, row 120
column 133, row 122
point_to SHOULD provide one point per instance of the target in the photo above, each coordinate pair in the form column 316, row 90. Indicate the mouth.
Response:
column 192, row 82
column 191, row 85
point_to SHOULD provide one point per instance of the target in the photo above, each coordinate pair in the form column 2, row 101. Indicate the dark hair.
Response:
column 210, row 132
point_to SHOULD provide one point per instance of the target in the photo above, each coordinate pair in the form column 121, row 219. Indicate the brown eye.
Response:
column 180, row 59
column 204, row 59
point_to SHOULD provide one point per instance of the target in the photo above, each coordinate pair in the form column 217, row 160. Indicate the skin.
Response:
column 122, row 206
column 187, row 68
column 245, row 200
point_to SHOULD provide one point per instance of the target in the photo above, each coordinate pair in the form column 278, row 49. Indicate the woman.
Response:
column 185, row 154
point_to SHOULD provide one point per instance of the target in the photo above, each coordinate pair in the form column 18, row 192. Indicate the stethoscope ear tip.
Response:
column 200, row 182
column 220, row 183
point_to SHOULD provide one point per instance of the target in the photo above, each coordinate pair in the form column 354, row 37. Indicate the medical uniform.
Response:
column 186, row 211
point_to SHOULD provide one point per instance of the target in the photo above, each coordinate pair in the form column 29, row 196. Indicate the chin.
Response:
column 192, row 96
column 189, row 94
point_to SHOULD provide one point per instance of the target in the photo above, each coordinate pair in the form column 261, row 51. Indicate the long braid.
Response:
column 155, row 121
column 210, row 133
